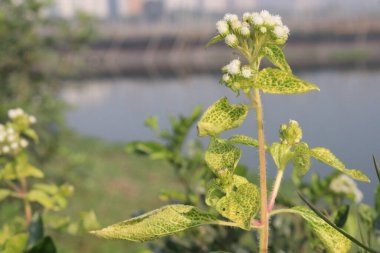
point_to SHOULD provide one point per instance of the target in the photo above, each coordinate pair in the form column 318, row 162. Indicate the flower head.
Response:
column 233, row 68
column 222, row 27
column 231, row 40
column 344, row 184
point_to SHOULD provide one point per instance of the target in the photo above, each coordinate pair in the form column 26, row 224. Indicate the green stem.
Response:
column 264, row 231
column 27, row 205
column 276, row 187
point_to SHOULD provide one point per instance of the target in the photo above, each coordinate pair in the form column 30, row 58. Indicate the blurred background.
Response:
column 93, row 70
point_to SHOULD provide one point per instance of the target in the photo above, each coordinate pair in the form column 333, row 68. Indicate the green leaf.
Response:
column 214, row 192
column 326, row 156
column 241, row 205
column 278, row 81
column 35, row 230
column 221, row 116
column 89, row 220
column 277, row 57
column 301, row 159
column 41, row 198
column 48, row 188
column 377, row 199
column 222, row 157
column 214, row 40
column 342, row 215
column 45, row 245
column 158, row 223
column 281, row 154
column 244, row 140
column 31, row 134
column 4, row 193
column 154, row 150
column 331, row 238
column 16, row 244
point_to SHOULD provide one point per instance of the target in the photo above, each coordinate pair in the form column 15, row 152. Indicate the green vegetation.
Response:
column 233, row 200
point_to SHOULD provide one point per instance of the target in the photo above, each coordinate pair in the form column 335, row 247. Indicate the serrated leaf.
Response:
column 326, row 156
column 214, row 40
column 4, row 193
column 221, row 116
column 277, row 57
column 16, row 244
column 301, row 159
column 241, row 205
column 277, row 81
column 281, row 154
column 331, row 238
column 244, row 140
column 158, row 223
column 222, row 157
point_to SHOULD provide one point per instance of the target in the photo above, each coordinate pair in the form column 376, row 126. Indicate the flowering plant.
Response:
column 235, row 201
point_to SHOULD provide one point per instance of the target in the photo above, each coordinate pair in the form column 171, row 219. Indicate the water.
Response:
column 344, row 116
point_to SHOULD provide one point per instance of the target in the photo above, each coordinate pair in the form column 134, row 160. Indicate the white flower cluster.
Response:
column 256, row 23
column 344, row 184
column 235, row 74
column 18, row 113
column 11, row 141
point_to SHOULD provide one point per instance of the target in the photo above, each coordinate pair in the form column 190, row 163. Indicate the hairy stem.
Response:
column 276, row 187
column 264, row 231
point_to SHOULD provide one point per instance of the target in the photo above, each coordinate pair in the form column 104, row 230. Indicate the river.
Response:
column 344, row 116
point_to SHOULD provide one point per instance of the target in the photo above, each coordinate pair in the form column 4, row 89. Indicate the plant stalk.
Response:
column 276, row 187
column 27, row 205
column 264, row 231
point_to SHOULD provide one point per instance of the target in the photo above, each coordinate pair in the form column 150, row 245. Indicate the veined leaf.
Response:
column 214, row 40
column 278, row 81
column 301, row 159
column 277, row 57
column 281, row 154
column 4, row 193
column 213, row 193
column 221, row 116
column 222, row 157
column 158, row 223
column 330, row 237
column 240, row 205
column 326, row 156
column 244, row 140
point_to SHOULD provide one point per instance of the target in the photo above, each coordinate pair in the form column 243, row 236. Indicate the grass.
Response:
column 110, row 182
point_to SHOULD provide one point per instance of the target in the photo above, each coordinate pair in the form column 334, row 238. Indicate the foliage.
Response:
column 21, row 186
column 234, row 200
column 31, row 65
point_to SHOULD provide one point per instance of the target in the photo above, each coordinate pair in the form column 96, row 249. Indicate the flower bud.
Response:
column 233, row 68
column 222, row 27
column 290, row 134
column 245, row 31
column 231, row 40
column 246, row 72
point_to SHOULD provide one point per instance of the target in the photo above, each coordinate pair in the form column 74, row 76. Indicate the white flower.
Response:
column 280, row 31
column 277, row 19
column 11, row 138
column 231, row 40
column 234, row 67
column 263, row 29
column 226, row 78
column 10, row 130
column 236, row 25
column 23, row 143
column 344, row 184
column 6, row 149
column 230, row 17
column 257, row 19
column 14, row 145
column 14, row 113
column 222, row 27
column 247, row 17
column 245, row 31
column 32, row 119
column 246, row 72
